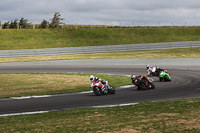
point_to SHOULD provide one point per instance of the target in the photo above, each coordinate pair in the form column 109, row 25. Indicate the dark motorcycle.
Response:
column 143, row 83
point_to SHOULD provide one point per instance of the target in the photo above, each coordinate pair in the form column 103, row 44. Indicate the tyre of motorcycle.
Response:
column 97, row 91
column 111, row 90
column 166, row 78
column 142, row 86
column 151, row 86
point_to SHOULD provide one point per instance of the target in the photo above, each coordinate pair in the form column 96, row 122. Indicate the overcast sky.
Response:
column 110, row 12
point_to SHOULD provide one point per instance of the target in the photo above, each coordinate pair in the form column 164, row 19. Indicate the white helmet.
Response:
column 133, row 77
column 147, row 66
column 91, row 77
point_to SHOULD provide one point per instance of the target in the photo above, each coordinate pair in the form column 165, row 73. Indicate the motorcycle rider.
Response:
column 154, row 69
column 97, row 79
column 151, row 69
column 136, row 78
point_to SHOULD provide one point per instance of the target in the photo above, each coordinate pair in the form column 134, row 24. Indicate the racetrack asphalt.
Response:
column 185, row 83
column 97, row 49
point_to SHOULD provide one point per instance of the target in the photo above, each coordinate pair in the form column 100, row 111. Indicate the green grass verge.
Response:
column 164, row 53
column 163, row 116
column 55, row 38
column 28, row 84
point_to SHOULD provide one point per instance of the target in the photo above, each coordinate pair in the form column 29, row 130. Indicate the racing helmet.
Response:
column 97, row 78
column 133, row 77
column 147, row 66
column 91, row 77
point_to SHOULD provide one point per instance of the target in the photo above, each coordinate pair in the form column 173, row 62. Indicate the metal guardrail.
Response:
column 97, row 49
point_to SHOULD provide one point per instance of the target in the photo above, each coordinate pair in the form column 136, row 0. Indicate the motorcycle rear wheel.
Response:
column 111, row 90
column 152, row 85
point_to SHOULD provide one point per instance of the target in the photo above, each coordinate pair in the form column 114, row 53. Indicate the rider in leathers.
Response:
column 154, row 69
column 135, row 78
column 97, row 79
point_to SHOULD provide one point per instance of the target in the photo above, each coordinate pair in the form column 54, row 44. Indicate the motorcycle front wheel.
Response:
column 97, row 91
column 166, row 78
column 142, row 86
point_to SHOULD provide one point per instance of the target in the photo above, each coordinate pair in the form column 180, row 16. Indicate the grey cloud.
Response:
column 151, row 12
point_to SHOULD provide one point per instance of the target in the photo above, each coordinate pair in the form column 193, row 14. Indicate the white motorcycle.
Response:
column 152, row 71
column 99, row 88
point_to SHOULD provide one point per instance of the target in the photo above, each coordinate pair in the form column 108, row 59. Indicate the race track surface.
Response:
column 97, row 49
column 185, row 84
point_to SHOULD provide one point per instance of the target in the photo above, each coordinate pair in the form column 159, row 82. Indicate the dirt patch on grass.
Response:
column 189, row 124
column 127, row 130
column 97, row 115
column 167, row 114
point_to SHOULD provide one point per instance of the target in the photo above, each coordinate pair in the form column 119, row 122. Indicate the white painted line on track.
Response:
column 76, row 93
column 45, row 96
column 25, row 113
column 115, row 105
column 40, row 112
column 126, row 86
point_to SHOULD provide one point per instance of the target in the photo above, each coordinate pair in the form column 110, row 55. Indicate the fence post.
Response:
column 132, row 25
column 106, row 26
column 47, row 25
column 33, row 26
column 18, row 26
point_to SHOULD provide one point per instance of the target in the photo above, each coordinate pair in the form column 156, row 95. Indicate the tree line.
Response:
column 25, row 24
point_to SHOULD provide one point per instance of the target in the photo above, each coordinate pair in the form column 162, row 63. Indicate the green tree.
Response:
column 13, row 24
column 56, row 20
column 44, row 24
column 23, row 23
column 6, row 25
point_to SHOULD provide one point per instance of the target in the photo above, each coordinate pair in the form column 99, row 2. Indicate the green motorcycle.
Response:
column 164, row 76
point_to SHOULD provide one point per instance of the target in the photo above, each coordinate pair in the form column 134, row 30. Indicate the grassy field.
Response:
column 28, row 84
column 164, row 116
column 164, row 53
column 54, row 38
